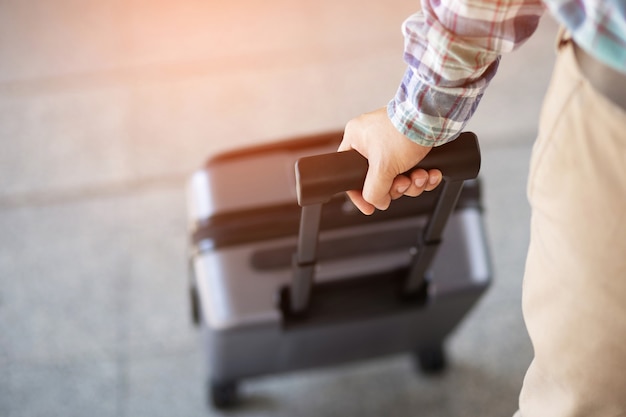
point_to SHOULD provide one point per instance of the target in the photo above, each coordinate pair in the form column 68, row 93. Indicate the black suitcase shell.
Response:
column 244, row 224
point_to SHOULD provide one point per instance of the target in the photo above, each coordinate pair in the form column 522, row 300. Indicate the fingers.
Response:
column 378, row 192
column 434, row 179
column 360, row 203
column 400, row 185
column 422, row 180
column 378, row 186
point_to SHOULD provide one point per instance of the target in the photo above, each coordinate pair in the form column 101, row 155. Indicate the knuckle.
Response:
column 351, row 127
column 370, row 197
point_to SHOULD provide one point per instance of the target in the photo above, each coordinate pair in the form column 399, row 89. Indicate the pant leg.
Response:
column 574, row 293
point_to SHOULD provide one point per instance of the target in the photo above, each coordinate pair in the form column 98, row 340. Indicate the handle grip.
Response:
column 320, row 177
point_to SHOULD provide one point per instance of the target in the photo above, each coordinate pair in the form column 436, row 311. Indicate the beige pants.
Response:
column 574, row 295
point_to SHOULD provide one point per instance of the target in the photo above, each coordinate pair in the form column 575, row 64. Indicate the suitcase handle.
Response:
column 320, row 177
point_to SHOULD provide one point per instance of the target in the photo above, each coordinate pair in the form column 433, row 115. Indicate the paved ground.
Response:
column 105, row 110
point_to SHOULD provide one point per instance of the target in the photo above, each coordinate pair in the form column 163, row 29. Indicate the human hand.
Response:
column 390, row 154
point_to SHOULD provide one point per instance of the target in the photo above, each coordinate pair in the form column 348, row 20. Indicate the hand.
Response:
column 389, row 154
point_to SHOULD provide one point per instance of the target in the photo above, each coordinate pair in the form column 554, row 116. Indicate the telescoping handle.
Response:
column 320, row 177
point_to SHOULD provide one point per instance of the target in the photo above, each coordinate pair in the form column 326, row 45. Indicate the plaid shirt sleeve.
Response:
column 452, row 48
column 597, row 26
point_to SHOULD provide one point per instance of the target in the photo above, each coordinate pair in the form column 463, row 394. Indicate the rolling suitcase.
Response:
column 277, row 288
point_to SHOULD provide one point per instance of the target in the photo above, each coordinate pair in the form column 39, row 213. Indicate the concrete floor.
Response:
column 106, row 109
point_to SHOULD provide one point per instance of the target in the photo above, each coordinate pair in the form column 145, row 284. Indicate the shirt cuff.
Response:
column 434, row 115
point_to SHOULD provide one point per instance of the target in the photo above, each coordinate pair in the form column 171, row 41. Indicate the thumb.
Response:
column 377, row 186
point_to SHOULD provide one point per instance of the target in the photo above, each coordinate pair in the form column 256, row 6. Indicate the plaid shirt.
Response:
column 453, row 48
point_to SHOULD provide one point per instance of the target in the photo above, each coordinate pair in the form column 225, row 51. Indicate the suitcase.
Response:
column 276, row 287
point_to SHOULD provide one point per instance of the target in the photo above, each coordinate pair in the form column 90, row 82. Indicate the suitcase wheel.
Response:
column 223, row 395
column 431, row 360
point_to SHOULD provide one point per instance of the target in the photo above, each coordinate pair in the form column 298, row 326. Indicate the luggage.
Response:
column 270, row 297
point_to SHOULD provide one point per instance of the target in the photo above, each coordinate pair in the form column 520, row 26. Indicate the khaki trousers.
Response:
column 574, row 293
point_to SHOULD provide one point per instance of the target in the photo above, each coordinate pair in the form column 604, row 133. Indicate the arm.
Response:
column 452, row 49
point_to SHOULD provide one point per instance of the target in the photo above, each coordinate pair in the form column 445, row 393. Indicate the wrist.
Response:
column 405, row 123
